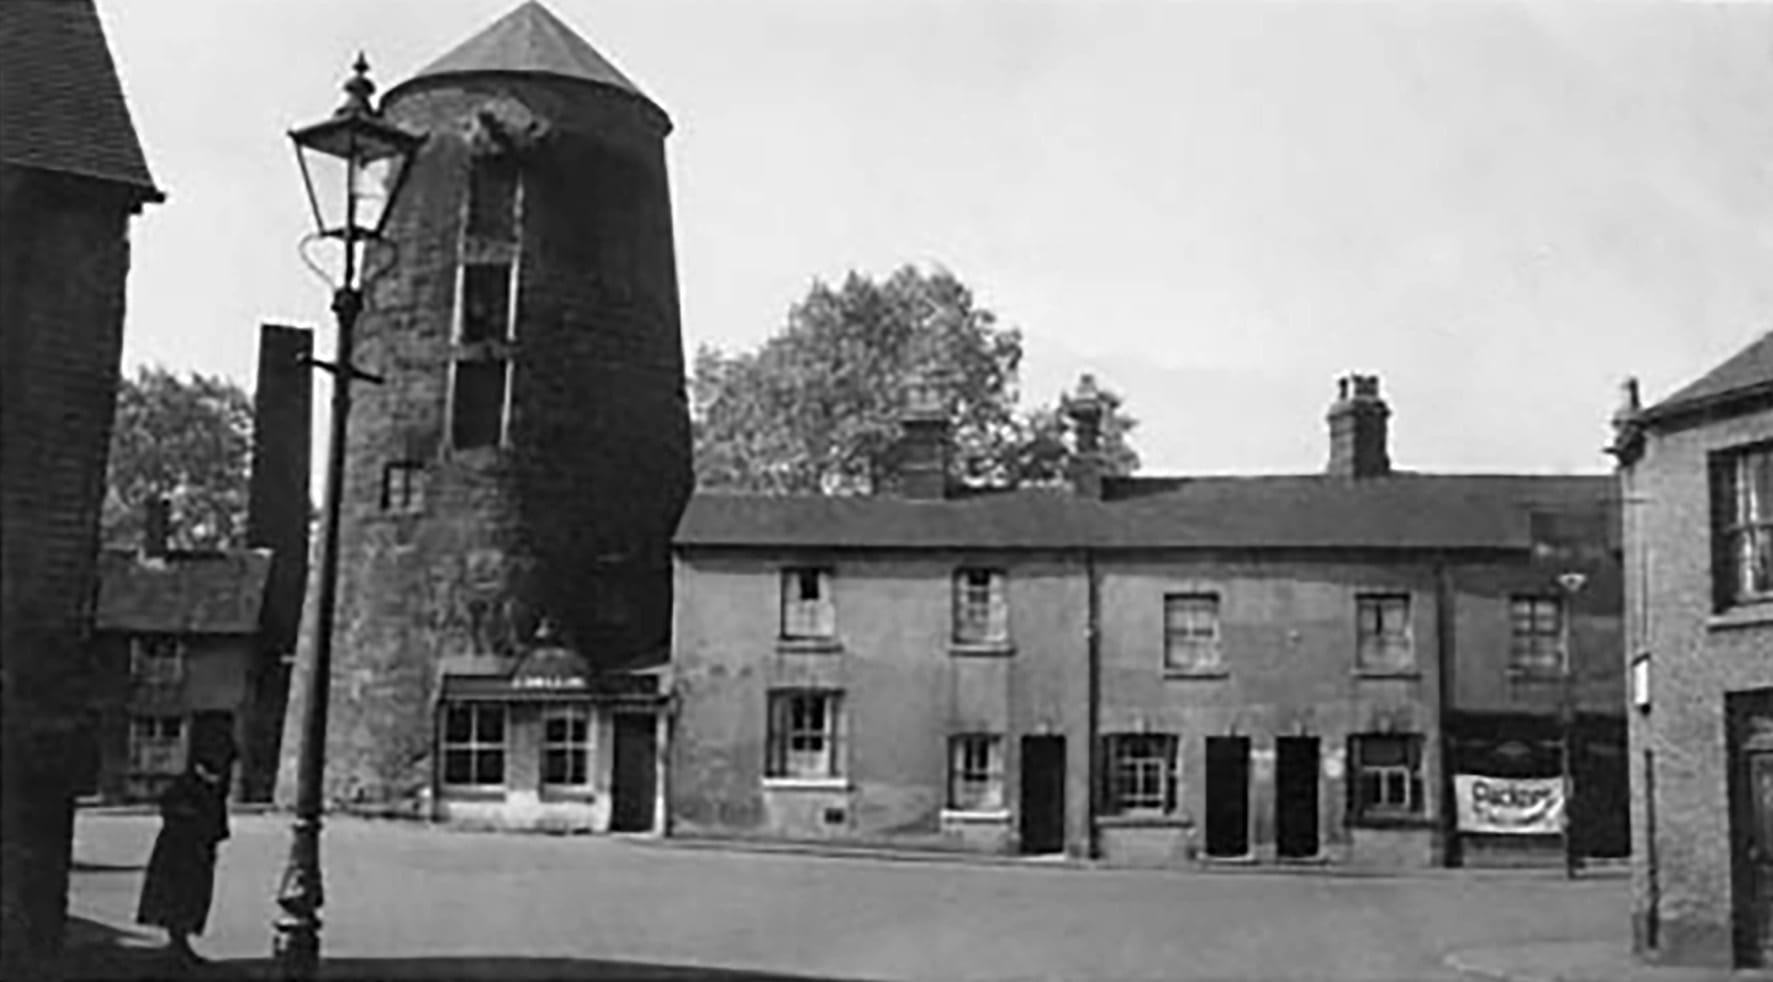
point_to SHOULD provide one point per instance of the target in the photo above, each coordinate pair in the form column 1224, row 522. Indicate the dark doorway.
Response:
column 1228, row 796
column 1295, row 796
column 634, row 779
column 1043, row 794
column 212, row 729
column 1751, row 820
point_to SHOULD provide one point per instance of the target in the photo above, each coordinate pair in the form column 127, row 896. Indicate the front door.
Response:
column 1228, row 796
column 634, row 780
column 1750, row 718
column 1043, row 794
column 1295, row 796
column 1760, row 854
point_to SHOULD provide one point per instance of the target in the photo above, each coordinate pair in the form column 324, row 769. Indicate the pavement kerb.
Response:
column 1599, row 960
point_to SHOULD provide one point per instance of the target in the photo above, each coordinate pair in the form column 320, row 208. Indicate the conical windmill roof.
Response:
column 530, row 40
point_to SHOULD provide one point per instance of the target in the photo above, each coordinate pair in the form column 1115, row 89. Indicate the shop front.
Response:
column 550, row 745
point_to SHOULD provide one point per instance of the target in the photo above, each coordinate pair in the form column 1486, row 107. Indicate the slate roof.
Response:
column 185, row 593
column 1748, row 370
column 1400, row 511
column 61, row 104
column 530, row 40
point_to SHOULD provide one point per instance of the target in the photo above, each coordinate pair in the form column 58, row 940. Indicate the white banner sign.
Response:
column 1510, row 805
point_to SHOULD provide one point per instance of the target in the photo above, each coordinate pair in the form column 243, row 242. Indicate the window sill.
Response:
column 809, row 646
column 567, row 794
column 1392, row 822
column 1548, row 675
column 1405, row 674
column 981, row 649
column 1202, row 674
column 1247, row 859
column 1755, row 614
column 952, row 816
column 474, row 793
column 1138, row 820
column 806, row 784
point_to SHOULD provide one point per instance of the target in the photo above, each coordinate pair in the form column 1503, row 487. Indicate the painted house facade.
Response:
column 1697, row 474
column 1155, row 671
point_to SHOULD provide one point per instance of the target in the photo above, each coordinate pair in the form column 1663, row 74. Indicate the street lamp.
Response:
column 358, row 137
column 1572, row 583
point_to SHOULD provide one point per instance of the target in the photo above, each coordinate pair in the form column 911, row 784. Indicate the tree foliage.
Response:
column 816, row 408
column 188, row 440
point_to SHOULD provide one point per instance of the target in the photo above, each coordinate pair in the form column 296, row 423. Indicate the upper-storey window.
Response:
column 1191, row 632
column 981, row 613
column 1536, row 642
column 487, row 311
column 478, row 407
column 492, row 199
column 1382, row 632
column 1742, row 517
column 807, row 609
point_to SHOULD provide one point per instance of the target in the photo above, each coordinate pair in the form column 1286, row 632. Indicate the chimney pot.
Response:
column 156, row 522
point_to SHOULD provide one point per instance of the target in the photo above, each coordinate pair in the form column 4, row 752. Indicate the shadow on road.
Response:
column 98, row 951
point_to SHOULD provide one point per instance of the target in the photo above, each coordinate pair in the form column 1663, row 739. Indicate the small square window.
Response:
column 156, row 660
column 403, row 487
column 156, row 744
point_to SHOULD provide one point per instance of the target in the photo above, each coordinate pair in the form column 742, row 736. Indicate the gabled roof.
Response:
column 1749, row 370
column 1399, row 511
column 530, row 40
column 182, row 593
column 61, row 104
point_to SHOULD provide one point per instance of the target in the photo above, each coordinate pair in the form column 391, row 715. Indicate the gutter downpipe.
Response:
column 1093, row 636
column 1452, row 853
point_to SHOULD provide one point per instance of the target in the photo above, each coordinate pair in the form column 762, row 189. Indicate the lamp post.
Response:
column 358, row 138
column 1572, row 584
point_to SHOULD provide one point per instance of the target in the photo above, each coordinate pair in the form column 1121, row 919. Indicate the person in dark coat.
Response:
column 181, row 872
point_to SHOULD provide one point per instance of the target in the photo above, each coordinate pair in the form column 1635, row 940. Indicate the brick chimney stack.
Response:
column 1358, row 429
column 924, row 446
column 1085, row 408
column 156, row 526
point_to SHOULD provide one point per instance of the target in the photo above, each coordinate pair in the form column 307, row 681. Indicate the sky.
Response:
column 1502, row 210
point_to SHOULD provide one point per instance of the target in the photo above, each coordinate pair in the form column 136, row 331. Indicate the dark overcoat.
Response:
column 181, row 872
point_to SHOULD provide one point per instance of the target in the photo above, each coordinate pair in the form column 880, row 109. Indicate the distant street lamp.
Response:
column 1572, row 584
column 358, row 137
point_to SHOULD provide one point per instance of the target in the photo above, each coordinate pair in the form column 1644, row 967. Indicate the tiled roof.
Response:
column 532, row 40
column 61, row 104
column 189, row 593
column 1750, row 368
column 1401, row 511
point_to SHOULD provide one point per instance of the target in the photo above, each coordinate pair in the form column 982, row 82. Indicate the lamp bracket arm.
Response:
column 354, row 373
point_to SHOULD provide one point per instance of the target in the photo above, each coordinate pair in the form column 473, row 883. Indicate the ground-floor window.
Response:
column 1141, row 772
column 1387, row 771
column 157, row 744
column 474, row 744
column 803, row 734
column 975, row 772
column 566, row 746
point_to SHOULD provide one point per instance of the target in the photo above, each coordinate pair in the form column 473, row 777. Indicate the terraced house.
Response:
column 1151, row 670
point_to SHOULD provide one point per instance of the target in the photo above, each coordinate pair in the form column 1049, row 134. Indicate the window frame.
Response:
column 783, row 730
column 407, row 477
column 1144, row 783
column 480, row 168
column 801, row 618
column 502, row 438
column 474, row 746
column 980, row 619
column 976, row 781
column 1742, row 525
column 1382, row 650
column 1208, row 655
column 1536, row 650
column 149, row 656
column 574, row 748
column 144, row 749
column 1410, row 773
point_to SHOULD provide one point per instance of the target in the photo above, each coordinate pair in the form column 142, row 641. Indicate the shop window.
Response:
column 981, row 609
column 807, row 610
column 477, row 412
column 1191, row 632
column 1536, row 641
column 156, row 660
column 474, row 744
column 975, row 772
column 1742, row 522
column 566, row 746
column 1141, row 769
column 1387, row 773
column 803, row 734
column 1382, row 629
column 157, row 744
